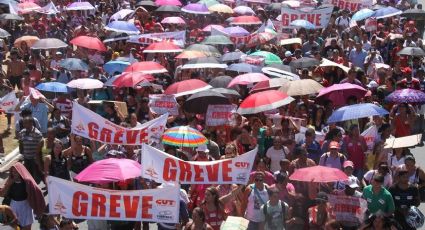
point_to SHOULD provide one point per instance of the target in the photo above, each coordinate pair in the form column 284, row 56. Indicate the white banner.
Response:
column 371, row 24
column 318, row 17
column 9, row 102
column 178, row 37
column 89, row 124
column 164, row 168
column 351, row 5
column 370, row 136
column 162, row 103
column 348, row 208
column 77, row 201
column 220, row 114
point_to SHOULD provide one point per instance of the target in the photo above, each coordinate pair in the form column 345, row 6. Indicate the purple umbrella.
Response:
column 196, row 8
column 210, row 27
column 236, row 31
column 406, row 96
column 339, row 93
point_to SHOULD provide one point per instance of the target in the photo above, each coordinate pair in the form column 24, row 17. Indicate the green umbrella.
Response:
column 270, row 58
column 209, row 3
column 217, row 40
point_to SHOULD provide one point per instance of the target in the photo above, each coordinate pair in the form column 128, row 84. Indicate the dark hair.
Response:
column 310, row 132
column 200, row 212
column 26, row 112
column 378, row 177
column 332, row 134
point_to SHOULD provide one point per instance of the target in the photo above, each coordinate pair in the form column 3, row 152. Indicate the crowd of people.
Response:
column 391, row 181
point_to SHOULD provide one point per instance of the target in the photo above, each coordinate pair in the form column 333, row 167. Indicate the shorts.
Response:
column 23, row 212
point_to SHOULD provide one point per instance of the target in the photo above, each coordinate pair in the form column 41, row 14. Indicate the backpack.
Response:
column 341, row 159
column 269, row 217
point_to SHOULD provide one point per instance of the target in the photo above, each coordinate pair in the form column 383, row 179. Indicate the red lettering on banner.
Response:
column 293, row 17
column 318, row 19
column 169, row 173
column 143, row 135
column 98, row 205
column 165, row 202
column 226, row 169
column 185, row 171
column 7, row 103
column 78, row 208
column 198, row 173
column 118, row 135
column 105, row 135
column 131, row 206
column 285, row 19
column 242, row 164
column 131, row 136
column 212, row 171
column 93, row 130
column 115, row 203
column 146, row 206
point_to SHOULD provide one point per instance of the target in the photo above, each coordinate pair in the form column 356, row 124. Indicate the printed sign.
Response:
column 351, row 5
column 164, row 168
column 178, row 38
column 318, row 17
column 348, row 208
column 9, row 102
column 370, row 136
column 162, row 104
column 220, row 114
column 371, row 24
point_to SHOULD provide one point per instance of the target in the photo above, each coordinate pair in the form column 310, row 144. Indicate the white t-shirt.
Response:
column 343, row 22
column 388, row 179
column 255, row 201
column 276, row 155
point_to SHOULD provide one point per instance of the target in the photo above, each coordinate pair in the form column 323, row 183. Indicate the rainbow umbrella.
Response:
column 183, row 136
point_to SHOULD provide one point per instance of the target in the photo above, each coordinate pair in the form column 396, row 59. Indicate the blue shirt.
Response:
column 314, row 151
column 357, row 58
column 39, row 111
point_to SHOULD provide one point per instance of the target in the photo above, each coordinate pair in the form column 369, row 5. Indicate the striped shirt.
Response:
column 30, row 142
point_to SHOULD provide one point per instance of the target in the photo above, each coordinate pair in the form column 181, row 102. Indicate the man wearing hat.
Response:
column 288, row 58
column 333, row 158
column 408, row 82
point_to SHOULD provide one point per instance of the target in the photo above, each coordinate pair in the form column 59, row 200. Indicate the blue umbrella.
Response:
column 231, row 56
column 55, row 87
column 244, row 68
column 356, row 111
column 386, row 12
column 362, row 14
column 74, row 64
column 115, row 66
column 303, row 23
column 122, row 27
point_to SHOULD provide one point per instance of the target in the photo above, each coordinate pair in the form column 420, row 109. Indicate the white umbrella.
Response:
column 85, row 83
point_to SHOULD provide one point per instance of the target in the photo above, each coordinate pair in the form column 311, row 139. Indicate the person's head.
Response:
column 230, row 151
column 198, row 215
column 277, row 142
column 358, row 45
column 282, row 178
column 334, row 134
column 212, row 196
column 310, row 135
column 284, row 164
column 410, row 163
column 354, row 131
column 300, row 153
column 109, row 108
column 348, row 167
column 377, row 181
column 403, row 108
column 57, row 147
column 273, row 195
column 51, row 133
column 321, row 198
column 246, row 130
column 383, row 168
column 333, row 225
column 66, row 224
column 403, row 176
column 256, row 123
column 78, row 140
column 202, row 152
column 28, row 123
column 259, row 178
column 261, row 165
column 334, row 147
column 133, row 119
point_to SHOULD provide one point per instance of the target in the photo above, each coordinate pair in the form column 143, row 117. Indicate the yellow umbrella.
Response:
column 30, row 40
column 190, row 54
column 221, row 8
column 301, row 87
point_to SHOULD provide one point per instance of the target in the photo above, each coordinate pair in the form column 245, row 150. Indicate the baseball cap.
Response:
column 288, row 54
column 202, row 148
column 348, row 164
column 322, row 196
column 334, row 145
column 352, row 184
column 372, row 84
column 58, row 53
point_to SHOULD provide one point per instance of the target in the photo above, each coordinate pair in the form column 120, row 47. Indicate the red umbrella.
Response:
column 260, row 38
column 246, row 20
column 248, row 78
column 339, row 93
column 186, row 87
column 162, row 47
column 148, row 67
column 93, row 43
column 131, row 79
column 318, row 174
column 273, row 83
column 264, row 101
column 28, row 6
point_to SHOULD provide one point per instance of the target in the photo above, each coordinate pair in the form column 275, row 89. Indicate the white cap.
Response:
column 288, row 53
column 372, row 84
column 202, row 148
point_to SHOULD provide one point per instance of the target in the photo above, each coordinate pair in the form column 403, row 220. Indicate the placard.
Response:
column 348, row 208
column 318, row 17
column 162, row 104
column 220, row 114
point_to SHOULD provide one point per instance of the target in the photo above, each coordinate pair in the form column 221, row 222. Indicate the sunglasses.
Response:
column 259, row 179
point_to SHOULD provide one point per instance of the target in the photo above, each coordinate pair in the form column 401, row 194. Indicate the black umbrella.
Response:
column 11, row 17
column 220, row 81
column 148, row 5
column 414, row 13
column 168, row 9
column 304, row 62
column 227, row 92
column 231, row 56
column 412, row 51
column 281, row 67
column 274, row 7
column 198, row 103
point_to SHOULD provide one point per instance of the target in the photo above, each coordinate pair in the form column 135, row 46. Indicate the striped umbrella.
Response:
column 183, row 136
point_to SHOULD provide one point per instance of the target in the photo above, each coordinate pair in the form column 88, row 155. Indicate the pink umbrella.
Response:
column 80, row 6
column 110, row 170
column 168, row 3
column 319, row 174
column 246, row 20
column 273, row 83
column 248, row 78
column 186, row 87
column 131, row 79
column 339, row 93
column 264, row 101
column 147, row 67
column 173, row 20
column 210, row 27
column 28, row 6
column 88, row 42
column 85, row 83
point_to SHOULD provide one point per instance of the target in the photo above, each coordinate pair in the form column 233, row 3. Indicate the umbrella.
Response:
column 281, row 67
column 80, row 6
column 270, row 58
column 248, row 78
column 275, row 6
column 264, row 101
column 183, row 136
column 221, row 8
column 173, row 20
column 412, row 51
column 162, row 47
column 85, row 83
column 112, row 67
column 30, row 40
column 74, row 64
column 188, row 54
column 386, row 12
column 6, row 2
column 28, row 6
column 88, row 42
column 49, row 43
column 131, row 79
column 246, row 20
column 168, row 9
column 11, row 17
column 168, row 3
column 147, row 67
column 414, row 13
column 209, row 27
column 195, row 8
column 243, row 10
column 261, row 38
column 198, row 102
column 227, row 92
column 110, row 170
column 304, row 62
column 220, row 81
column 217, row 40
column 338, row 93
column 4, row 33
column 206, row 49
column 110, row 81
column 203, row 63
column 121, row 14
column 186, row 87
column 148, row 5
column 275, row 72
column 209, row 3
column 122, row 27
column 55, row 87
column 273, row 83
column 301, row 87
column 303, row 24
column 356, row 111
column 319, row 174
column 362, row 14
column 406, row 96
column 291, row 3
column 232, row 56
column 244, row 68
column 236, row 31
